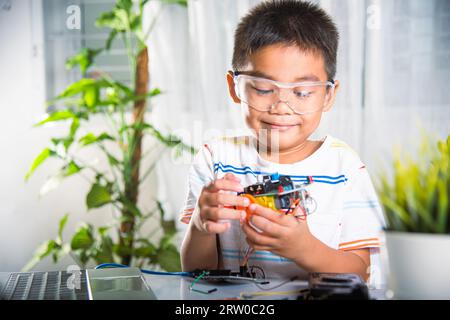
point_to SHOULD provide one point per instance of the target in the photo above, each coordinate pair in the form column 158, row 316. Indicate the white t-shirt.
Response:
column 348, row 215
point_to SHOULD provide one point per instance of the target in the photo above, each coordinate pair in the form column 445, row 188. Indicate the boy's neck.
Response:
column 292, row 155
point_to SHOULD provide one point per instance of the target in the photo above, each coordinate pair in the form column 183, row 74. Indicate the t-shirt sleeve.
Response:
column 201, row 172
column 362, row 218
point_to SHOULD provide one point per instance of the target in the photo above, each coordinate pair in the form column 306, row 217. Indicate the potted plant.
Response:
column 116, row 184
column 416, row 206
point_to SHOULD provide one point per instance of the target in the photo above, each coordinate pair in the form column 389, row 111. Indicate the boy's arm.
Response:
column 198, row 250
column 291, row 238
column 322, row 258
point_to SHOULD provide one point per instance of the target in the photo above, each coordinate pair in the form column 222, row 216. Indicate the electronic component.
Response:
column 336, row 286
column 244, row 274
column 278, row 192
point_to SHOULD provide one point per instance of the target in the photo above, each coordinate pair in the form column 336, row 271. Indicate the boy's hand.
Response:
column 212, row 201
column 281, row 234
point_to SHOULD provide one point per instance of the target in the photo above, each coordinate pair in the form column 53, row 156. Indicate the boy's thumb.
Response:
column 230, row 176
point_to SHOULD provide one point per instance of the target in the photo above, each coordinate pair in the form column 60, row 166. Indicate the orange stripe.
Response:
column 356, row 241
column 185, row 220
column 368, row 245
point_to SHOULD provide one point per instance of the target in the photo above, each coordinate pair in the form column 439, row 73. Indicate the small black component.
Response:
column 214, row 272
column 336, row 286
column 218, row 274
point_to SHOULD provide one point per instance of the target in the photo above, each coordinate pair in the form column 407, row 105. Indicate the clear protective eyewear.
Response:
column 264, row 94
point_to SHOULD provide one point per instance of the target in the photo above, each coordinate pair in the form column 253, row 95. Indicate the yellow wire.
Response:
column 246, row 295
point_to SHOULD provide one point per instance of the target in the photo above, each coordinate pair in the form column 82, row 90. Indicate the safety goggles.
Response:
column 264, row 94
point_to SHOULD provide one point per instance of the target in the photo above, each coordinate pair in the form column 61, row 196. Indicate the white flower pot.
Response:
column 419, row 265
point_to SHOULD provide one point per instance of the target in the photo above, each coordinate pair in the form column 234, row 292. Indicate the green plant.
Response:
column 123, row 108
column 416, row 198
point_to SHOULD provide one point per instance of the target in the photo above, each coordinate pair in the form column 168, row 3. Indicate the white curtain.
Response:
column 393, row 64
column 406, row 79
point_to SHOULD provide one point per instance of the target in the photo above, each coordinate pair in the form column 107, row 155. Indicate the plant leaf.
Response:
column 84, row 59
column 111, row 37
column 71, row 168
column 98, row 196
column 169, row 259
column 90, row 96
column 130, row 206
column 62, row 224
column 82, row 239
column 125, row 4
column 77, row 87
column 104, row 251
column 91, row 138
column 116, row 19
column 57, row 116
column 38, row 161
column 53, row 182
column 183, row 3
column 147, row 250
column 41, row 252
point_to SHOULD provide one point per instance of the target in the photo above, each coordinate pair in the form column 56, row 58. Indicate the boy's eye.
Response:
column 263, row 91
column 303, row 93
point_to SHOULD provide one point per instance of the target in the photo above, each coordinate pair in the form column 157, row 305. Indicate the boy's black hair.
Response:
column 286, row 22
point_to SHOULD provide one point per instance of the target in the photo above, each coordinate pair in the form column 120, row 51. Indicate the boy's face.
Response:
column 281, row 124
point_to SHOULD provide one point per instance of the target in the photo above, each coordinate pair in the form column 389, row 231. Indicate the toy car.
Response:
column 279, row 193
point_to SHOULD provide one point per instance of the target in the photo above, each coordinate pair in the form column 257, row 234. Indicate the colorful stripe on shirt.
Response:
column 360, row 244
column 257, row 255
column 361, row 204
column 186, row 215
column 219, row 166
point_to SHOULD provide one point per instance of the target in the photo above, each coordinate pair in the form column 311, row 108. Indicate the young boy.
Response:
column 284, row 64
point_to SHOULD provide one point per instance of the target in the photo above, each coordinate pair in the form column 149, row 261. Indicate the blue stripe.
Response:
column 358, row 202
column 266, row 253
column 295, row 178
column 361, row 204
column 232, row 167
column 259, row 258
column 330, row 182
column 361, row 207
column 239, row 172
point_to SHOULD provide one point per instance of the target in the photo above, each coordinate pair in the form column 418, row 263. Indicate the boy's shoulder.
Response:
column 345, row 154
column 341, row 147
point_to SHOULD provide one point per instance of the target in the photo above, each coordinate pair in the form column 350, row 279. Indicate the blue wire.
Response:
column 163, row 273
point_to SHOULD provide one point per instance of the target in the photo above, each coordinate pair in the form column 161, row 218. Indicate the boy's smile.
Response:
column 283, row 130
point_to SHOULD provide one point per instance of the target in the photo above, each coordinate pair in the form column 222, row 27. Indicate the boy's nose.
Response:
column 281, row 107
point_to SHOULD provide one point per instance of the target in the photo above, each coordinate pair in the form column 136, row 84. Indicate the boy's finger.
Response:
column 230, row 176
column 270, row 228
column 216, row 227
column 256, row 237
column 257, row 247
column 224, row 184
column 268, row 213
column 226, row 199
column 216, row 214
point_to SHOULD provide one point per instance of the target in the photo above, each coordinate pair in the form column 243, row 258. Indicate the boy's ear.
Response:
column 331, row 96
column 230, row 81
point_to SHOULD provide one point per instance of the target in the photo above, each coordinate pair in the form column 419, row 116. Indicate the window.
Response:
column 63, row 41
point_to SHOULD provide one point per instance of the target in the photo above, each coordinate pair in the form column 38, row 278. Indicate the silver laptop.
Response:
column 91, row 284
